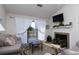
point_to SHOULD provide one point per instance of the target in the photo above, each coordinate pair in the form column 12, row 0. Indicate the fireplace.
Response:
column 61, row 39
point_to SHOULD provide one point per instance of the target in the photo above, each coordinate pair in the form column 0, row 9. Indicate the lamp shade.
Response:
column 1, row 28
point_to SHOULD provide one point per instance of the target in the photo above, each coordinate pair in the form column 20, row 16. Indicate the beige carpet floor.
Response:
column 46, row 49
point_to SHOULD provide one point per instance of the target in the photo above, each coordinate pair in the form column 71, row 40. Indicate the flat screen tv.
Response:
column 58, row 18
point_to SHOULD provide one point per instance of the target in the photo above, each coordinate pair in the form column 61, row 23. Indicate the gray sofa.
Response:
column 11, row 49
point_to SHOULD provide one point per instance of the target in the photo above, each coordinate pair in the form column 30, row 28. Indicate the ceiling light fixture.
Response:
column 39, row 5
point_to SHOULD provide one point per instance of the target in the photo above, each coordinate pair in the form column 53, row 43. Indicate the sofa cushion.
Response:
column 13, row 37
column 10, row 49
column 7, row 40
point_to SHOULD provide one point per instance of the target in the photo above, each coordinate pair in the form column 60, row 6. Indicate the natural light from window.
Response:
column 33, row 24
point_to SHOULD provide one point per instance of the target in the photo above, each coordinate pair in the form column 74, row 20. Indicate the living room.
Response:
column 16, row 19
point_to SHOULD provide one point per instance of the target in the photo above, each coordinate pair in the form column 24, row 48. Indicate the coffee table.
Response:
column 33, row 45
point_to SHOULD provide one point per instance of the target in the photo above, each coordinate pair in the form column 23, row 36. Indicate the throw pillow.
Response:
column 9, row 42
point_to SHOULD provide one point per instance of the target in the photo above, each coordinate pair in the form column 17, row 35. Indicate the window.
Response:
column 33, row 24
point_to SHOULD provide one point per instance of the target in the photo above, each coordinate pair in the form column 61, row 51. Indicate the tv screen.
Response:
column 58, row 18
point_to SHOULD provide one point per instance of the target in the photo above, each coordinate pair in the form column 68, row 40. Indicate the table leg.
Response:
column 32, row 48
column 41, row 47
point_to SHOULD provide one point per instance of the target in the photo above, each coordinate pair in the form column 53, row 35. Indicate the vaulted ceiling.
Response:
column 32, row 9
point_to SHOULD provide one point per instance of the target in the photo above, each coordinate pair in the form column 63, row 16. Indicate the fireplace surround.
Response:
column 62, row 39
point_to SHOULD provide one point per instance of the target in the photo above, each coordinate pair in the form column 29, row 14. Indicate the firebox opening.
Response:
column 61, row 39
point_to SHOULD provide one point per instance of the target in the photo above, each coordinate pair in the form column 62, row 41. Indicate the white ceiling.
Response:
column 32, row 10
